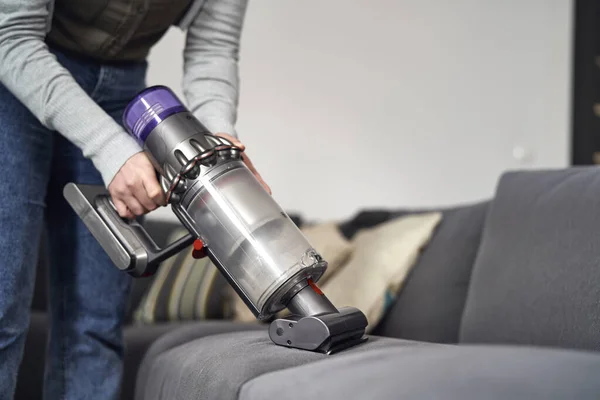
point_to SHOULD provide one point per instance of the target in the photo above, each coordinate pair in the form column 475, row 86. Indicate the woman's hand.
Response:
column 246, row 159
column 135, row 189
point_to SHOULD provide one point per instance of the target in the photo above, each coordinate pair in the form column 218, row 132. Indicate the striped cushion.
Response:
column 185, row 289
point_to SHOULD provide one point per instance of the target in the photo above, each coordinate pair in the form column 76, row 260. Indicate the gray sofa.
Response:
column 504, row 302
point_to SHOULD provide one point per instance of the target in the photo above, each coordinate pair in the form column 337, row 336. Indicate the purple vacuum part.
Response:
column 148, row 109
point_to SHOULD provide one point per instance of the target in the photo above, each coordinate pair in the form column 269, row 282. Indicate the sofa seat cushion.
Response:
column 445, row 372
column 181, row 333
column 216, row 367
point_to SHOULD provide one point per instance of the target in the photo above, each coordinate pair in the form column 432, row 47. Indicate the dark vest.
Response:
column 113, row 30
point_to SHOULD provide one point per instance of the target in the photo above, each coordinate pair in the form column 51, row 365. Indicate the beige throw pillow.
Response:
column 381, row 259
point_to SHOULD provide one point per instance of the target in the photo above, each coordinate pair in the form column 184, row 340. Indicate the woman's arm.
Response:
column 210, row 80
column 47, row 89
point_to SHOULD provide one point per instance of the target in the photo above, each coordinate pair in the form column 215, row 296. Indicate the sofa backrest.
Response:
column 430, row 304
column 536, row 279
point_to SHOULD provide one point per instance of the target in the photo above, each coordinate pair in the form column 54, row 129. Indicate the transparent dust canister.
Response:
column 258, row 246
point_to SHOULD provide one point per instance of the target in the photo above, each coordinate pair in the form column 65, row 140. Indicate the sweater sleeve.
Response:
column 34, row 76
column 211, row 54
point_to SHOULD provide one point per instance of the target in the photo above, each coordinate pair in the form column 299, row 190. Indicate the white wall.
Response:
column 348, row 104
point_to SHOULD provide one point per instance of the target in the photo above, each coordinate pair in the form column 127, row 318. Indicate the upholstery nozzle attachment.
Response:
column 316, row 325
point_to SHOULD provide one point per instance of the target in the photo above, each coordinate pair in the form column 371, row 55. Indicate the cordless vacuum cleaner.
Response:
column 230, row 218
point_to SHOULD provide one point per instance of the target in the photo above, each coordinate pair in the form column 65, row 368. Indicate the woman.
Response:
column 67, row 70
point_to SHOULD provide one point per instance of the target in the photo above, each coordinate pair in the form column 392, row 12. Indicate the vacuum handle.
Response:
column 126, row 242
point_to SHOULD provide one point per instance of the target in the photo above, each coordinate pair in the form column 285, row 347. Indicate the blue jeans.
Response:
column 87, row 294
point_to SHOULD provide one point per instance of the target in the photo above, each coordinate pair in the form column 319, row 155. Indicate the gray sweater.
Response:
column 34, row 76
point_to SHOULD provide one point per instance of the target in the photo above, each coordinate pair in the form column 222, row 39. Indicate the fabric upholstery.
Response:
column 215, row 367
column 185, row 333
column 138, row 340
column 367, row 219
column 430, row 304
column 536, row 279
column 444, row 372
